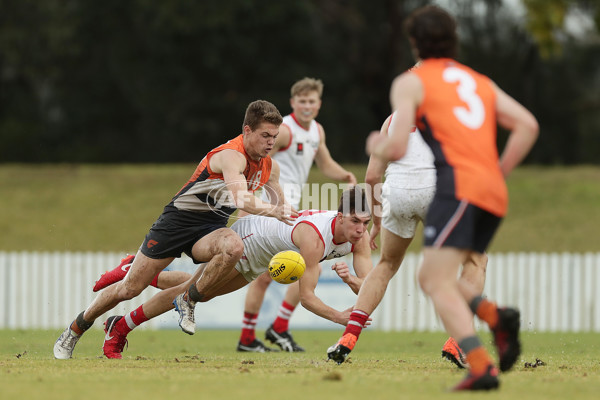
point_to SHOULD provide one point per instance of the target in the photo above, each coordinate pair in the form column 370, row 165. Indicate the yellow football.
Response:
column 287, row 267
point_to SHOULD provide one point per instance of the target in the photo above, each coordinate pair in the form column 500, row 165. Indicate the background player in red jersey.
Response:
column 456, row 109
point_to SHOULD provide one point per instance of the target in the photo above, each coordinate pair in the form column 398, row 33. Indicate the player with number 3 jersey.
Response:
column 456, row 109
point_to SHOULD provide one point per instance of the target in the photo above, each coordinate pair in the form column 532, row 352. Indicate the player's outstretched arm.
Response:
column 312, row 248
column 232, row 165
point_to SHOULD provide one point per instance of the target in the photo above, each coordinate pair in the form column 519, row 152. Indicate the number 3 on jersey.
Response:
column 473, row 116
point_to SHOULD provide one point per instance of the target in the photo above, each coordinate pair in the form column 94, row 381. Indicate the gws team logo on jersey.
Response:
column 254, row 181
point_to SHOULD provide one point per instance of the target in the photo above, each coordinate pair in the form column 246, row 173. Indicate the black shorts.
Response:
column 176, row 231
column 454, row 223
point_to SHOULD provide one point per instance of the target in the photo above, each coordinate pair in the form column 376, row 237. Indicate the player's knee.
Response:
column 127, row 291
column 232, row 247
column 390, row 264
column 425, row 282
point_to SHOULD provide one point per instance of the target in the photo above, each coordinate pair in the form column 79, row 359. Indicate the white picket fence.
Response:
column 555, row 292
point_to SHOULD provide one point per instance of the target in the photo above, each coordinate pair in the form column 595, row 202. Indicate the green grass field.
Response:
column 111, row 207
column 172, row 365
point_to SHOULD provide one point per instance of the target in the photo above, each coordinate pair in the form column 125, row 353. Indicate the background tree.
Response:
column 148, row 81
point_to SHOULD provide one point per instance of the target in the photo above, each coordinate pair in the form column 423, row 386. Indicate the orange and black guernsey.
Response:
column 457, row 118
column 206, row 192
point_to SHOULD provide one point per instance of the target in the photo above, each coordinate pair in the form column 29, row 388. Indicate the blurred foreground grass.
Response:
column 384, row 365
column 111, row 207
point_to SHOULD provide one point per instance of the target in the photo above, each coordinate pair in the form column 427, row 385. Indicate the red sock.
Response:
column 248, row 326
column 131, row 320
column 357, row 322
column 282, row 322
column 155, row 281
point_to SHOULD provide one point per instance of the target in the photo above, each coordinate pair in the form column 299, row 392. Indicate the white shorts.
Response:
column 249, row 270
column 404, row 208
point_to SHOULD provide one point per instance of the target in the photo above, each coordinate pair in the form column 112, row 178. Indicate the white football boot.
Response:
column 64, row 346
column 185, row 308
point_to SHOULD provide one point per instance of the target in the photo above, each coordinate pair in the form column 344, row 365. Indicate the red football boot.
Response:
column 114, row 341
column 115, row 275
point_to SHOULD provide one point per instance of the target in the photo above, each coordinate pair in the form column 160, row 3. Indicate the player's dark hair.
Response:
column 354, row 201
column 433, row 31
column 260, row 111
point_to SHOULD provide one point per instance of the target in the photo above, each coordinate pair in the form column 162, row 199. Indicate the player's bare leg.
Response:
column 472, row 277
column 117, row 328
column 472, row 282
column 437, row 278
column 223, row 248
column 371, row 292
column 169, row 279
column 140, row 274
column 163, row 280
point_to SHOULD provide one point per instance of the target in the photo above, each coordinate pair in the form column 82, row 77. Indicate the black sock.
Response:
column 193, row 293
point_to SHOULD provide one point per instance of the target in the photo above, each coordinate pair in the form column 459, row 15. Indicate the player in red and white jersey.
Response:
column 301, row 142
column 195, row 222
column 264, row 237
column 300, row 147
column 456, row 109
column 316, row 235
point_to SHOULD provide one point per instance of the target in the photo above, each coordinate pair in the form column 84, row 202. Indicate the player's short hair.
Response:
column 260, row 111
column 354, row 201
column 307, row 85
column 433, row 31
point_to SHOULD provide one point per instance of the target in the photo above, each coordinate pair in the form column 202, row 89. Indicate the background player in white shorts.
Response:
column 406, row 194
column 316, row 235
column 301, row 141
